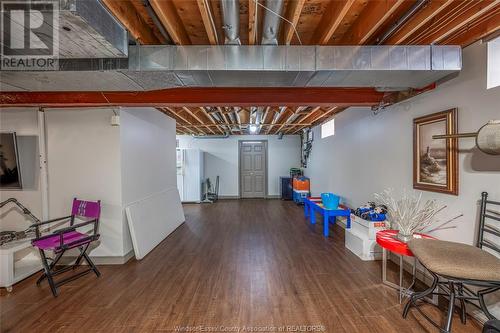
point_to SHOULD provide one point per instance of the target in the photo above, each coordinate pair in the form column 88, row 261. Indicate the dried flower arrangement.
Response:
column 410, row 214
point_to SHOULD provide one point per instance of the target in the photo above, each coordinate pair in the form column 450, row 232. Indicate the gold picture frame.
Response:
column 435, row 161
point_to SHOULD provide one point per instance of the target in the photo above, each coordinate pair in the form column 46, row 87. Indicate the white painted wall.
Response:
column 90, row 159
column 370, row 153
column 23, row 121
column 221, row 158
column 84, row 161
column 148, row 167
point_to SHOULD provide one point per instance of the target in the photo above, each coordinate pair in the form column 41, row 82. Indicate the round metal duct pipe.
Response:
column 231, row 18
column 272, row 22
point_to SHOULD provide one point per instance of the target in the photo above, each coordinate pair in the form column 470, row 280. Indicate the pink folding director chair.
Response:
column 61, row 240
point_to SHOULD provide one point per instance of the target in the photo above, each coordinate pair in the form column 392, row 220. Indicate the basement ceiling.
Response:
column 251, row 22
column 317, row 22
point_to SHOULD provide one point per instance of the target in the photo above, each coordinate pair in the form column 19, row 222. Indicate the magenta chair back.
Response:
column 90, row 209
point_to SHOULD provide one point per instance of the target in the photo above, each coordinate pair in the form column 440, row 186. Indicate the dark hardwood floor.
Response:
column 248, row 263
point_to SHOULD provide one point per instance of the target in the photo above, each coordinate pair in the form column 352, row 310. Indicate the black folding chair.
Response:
column 61, row 240
column 456, row 267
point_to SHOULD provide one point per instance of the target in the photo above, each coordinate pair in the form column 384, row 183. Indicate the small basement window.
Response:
column 328, row 129
column 493, row 63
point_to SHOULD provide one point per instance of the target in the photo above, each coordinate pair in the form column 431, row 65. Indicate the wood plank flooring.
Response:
column 237, row 263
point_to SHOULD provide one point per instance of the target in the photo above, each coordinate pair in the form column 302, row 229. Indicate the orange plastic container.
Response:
column 301, row 184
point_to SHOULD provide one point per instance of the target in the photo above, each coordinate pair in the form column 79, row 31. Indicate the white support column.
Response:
column 44, row 184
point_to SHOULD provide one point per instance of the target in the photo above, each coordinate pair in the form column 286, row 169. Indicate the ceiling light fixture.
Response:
column 252, row 129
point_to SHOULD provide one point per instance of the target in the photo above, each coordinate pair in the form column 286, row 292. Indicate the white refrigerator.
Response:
column 190, row 174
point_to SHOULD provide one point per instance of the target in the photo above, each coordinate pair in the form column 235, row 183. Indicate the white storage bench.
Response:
column 360, row 238
column 18, row 260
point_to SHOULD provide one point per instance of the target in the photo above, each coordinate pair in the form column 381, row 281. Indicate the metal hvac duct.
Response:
column 384, row 67
column 231, row 18
column 272, row 22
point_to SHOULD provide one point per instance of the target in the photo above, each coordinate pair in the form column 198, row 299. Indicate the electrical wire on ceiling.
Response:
column 257, row 3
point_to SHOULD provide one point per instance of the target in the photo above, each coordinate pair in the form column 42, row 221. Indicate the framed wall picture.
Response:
column 435, row 161
column 10, row 171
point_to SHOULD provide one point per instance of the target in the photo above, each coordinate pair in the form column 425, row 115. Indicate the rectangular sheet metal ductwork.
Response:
column 329, row 66
column 157, row 67
column 88, row 30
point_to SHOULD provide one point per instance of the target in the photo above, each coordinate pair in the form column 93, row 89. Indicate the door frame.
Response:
column 266, row 190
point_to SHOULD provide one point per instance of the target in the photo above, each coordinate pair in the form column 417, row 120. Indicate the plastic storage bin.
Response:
column 299, row 196
column 330, row 200
column 301, row 184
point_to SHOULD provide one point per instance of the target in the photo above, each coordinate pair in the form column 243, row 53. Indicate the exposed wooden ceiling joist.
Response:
column 211, row 119
column 147, row 13
column 129, row 16
column 479, row 29
column 265, row 125
column 302, row 121
column 192, row 114
column 167, row 14
column 331, row 20
column 244, row 116
column 375, row 14
column 175, row 115
column 276, row 117
column 292, row 14
column 252, row 22
column 326, row 116
column 208, row 21
column 453, row 23
column 420, row 19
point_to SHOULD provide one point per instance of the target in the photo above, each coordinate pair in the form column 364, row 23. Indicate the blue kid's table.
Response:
column 312, row 205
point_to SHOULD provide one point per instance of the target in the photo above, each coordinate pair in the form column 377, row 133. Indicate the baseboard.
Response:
column 104, row 260
column 236, row 197
column 229, row 197
column 112, row 260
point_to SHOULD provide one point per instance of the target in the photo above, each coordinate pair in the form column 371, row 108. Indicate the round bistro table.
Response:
column 388, row 241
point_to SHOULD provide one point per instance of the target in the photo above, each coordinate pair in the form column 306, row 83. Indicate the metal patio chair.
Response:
column 455, row 267
column 61, row 240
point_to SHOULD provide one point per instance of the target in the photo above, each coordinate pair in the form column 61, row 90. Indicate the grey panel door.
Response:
column 253, row 168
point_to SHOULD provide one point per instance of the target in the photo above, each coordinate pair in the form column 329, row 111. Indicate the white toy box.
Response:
column 360, row 238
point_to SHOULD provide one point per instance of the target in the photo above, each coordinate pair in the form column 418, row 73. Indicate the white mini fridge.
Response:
column 190, row 174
